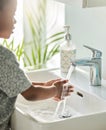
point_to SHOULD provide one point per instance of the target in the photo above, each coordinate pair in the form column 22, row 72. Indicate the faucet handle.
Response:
column 96, row 53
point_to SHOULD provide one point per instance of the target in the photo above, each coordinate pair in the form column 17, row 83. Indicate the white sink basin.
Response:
column 88, row 111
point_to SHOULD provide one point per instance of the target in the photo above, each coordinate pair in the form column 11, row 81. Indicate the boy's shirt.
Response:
column 12, row 82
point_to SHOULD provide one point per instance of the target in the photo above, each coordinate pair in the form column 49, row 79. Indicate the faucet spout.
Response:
column 82, row 62
column 95, row 69
column 95, row 66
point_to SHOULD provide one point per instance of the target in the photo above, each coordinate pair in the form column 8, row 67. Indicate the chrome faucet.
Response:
column 95, row 66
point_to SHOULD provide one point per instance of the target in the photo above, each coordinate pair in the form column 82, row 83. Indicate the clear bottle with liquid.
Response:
column 67, row 51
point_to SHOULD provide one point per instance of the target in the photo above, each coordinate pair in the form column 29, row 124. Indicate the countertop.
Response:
column 81, row 78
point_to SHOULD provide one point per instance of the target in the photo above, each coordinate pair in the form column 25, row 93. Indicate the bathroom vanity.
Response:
column 87, row 106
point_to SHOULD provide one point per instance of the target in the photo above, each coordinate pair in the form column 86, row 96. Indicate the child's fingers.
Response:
column 67, row 89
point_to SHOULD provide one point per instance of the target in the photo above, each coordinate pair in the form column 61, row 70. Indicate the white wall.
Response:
column 88, row 26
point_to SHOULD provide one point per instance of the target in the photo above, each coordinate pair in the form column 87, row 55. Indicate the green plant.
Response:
column 18, row 50
column 40, row 55
column 42, row 48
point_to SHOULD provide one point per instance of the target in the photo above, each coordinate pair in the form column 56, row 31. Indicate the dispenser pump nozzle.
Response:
column 67, row 34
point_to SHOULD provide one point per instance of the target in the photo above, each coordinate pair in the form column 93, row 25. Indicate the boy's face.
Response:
column 7, row 19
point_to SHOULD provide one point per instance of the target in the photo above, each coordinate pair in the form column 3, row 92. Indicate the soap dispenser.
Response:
column 67, row 51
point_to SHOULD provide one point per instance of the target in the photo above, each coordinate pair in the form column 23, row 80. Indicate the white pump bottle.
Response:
column 67, row 51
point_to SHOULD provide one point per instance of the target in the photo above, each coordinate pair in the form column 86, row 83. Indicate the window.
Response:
column 46, row 17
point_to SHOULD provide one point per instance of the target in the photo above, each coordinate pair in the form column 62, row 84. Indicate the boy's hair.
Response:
column 2, row 3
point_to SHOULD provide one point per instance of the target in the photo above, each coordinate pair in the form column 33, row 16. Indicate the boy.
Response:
column 12, row 79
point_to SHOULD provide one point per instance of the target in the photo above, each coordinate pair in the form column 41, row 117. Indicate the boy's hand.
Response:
column 51, row 82
column 62, row 89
